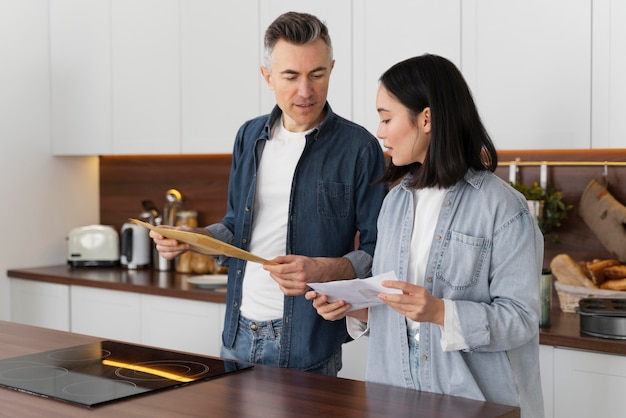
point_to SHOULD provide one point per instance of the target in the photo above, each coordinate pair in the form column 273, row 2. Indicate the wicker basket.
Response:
column 569, row 296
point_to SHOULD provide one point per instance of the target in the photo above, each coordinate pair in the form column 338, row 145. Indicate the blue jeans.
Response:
column 259, row 342
column 414, row 356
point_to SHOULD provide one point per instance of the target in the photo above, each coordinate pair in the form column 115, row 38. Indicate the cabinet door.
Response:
column 106, row 313
column 338, row 17
column 546, row 365
column 220, row 73
column 528, row 64
column 608, row 104
column 394, row 30
column 146, row 76
column 41, row 304
column 80, row 76
column 181, row 324
column 588, row 384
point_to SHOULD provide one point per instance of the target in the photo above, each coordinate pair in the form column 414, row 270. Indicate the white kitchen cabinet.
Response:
column 80, row 77
column 391, row 31
column 546, row 366
column 220, row 77
column 182, row 324
column 608, row 98
column 40, row 304
column 145, row 70
column 528, row 64
column 106, row 313
column 588, row 384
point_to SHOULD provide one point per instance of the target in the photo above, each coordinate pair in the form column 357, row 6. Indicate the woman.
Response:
column 463, row 245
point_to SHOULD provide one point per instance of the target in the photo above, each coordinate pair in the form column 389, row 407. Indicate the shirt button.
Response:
column 429, row 280
column 243, row 241
column 254, row 327
column 247, row 209
column 424, row 358
column 437, row 237
column 447, row 202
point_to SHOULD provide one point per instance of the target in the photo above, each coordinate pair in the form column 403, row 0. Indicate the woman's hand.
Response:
column 415, row 302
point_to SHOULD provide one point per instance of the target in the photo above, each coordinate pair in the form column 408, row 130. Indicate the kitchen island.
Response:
column 259, row 392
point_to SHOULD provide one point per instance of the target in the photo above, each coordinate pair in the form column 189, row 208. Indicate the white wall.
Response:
column 42, row 196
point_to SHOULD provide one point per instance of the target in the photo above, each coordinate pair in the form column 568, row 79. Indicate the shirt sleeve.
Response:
column 451, row 335
column 356, row 328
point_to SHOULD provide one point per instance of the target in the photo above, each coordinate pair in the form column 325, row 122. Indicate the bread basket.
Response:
column 570, row 296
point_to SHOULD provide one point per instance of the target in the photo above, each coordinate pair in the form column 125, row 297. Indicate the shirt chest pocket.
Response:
column 333, row 199
column 463, row 260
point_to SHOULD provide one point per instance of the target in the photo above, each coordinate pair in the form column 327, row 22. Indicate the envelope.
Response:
column 204, row 244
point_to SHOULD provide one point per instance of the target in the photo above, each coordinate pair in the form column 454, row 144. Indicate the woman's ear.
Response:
column 426, row 120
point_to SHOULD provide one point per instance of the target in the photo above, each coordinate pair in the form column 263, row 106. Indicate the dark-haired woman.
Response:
column 465, row 249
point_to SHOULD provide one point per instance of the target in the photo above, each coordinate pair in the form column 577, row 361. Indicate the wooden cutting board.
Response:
column 203, row 244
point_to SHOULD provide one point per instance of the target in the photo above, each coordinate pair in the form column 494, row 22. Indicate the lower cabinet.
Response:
column 159, row 321
column 41, row 304
column 589, row 384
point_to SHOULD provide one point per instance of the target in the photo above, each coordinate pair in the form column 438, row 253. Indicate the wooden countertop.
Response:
column 260, row 392
column 563, row 332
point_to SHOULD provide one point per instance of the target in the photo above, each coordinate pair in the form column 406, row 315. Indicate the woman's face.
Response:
column 406, row 138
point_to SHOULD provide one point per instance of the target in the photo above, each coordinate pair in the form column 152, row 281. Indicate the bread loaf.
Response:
column 615, row 272
column 597, row 268
column 567, row 271
column 617, row 284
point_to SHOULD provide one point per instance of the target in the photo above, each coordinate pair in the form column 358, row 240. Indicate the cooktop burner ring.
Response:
column 31, row 371
column 100, row 388
column 154, row 370
column 78, row 354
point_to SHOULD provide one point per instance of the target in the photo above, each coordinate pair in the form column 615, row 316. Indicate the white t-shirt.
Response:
column 262, row 299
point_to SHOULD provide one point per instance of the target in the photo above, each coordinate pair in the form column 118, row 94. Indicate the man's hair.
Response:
column 295, row 28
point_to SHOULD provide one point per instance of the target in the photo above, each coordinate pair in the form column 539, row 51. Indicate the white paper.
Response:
column 359, row 293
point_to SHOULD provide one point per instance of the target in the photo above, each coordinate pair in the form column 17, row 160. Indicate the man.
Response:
column 302, row 183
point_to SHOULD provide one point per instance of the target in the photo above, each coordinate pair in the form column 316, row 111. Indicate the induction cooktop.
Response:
column 98, row 373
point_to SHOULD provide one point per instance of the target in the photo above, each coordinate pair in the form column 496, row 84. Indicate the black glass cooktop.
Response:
column 106, row 371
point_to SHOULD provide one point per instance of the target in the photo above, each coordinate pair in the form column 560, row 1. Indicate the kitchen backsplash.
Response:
column 203, row 181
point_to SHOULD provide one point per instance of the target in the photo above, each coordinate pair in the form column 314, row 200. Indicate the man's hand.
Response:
column 293, row 272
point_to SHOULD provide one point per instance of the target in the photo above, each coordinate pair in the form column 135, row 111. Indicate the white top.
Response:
column 427, row 205
column 262, row 299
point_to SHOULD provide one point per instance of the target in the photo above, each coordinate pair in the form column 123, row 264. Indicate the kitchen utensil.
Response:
column 204, row 244
column 135, row 246
column 604, row 318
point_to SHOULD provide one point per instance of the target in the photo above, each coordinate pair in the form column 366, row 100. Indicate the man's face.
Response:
column 299, row 78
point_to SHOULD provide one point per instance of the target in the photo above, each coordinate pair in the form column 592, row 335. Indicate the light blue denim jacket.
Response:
column 486, row 256
column 333, row 195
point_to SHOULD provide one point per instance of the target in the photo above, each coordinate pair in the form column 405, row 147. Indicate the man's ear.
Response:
column 267, row 76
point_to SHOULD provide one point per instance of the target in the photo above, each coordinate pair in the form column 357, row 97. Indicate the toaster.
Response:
column 93, row 246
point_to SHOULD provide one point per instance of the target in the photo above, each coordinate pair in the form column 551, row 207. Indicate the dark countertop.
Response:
column 259, row 392
column 147, row 281
column 563, row 332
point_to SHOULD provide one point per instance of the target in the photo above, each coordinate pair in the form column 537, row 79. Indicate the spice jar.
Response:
column 187, row 218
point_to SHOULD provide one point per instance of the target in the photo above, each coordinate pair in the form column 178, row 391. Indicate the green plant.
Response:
column 554, row 209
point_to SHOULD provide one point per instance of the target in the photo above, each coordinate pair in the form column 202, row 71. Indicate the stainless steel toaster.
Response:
column 93, row 246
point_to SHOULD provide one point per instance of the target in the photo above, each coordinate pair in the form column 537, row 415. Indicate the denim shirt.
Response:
column 486, row 256
column 333, row 196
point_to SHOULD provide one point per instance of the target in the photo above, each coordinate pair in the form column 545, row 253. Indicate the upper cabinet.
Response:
column 151, row 76
column 528, row 64
column 391, row 31
column 181, row 76
column 608, row 97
